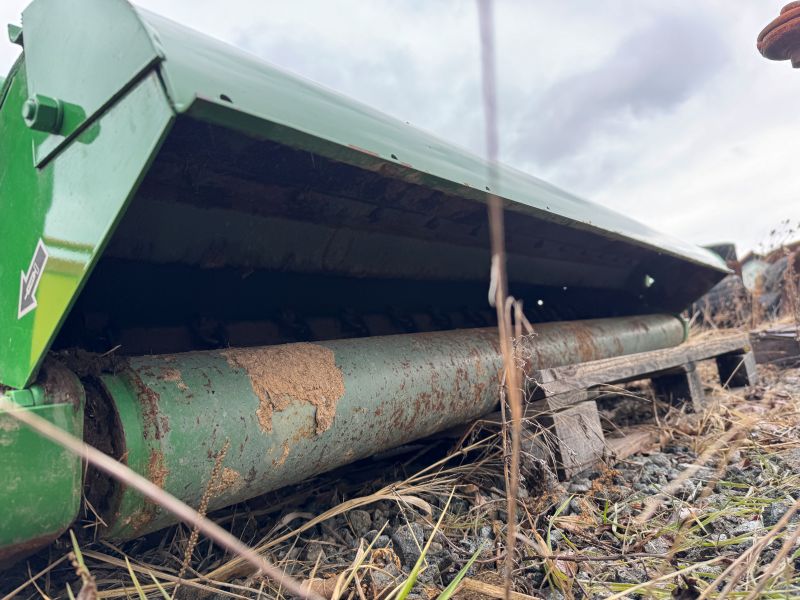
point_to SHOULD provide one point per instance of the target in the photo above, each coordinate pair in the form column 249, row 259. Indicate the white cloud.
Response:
column 662, row 111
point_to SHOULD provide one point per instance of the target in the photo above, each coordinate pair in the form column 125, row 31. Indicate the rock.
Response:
column 408, row 541
column 431, row 574
column 701, row 553
column 579, row 486
column 718, row 501
column 687, row 490
column 657, row 546
column 746, row 528
column 535, row 579
column 485, row 532
column 551, row 594
column 575, row 506
column 382, row 541
column 348, row 537
column 654, row 472
column 443, row 560
column 563, row 501
column 471, row 545
column 676, row 449
column 630, row 575
column 360, row 521
column 649, row 489
column 315, row 552
column 382, row 580
column 459, row 506
column 736, row 474
column 622, row 492
column 772, row 513
column 660, row 460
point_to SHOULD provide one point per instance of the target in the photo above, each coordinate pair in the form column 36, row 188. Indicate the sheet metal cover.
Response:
column 215, row 81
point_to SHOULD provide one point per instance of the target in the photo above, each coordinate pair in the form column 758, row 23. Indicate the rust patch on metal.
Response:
column 364, row 150
column 587, row 348
column 228, row 479
column 174, row 376
column 156, row 469
column 284, row 455
column 302, row 432
column 281, row 375
column 155, row 425
column 157, row 472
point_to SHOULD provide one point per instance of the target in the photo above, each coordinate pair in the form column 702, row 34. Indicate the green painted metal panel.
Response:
column 41, row 481
column 69, row 208
column 213, row 81
column 84, row 53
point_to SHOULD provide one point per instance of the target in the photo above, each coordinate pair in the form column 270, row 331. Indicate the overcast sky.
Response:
column 661, row 110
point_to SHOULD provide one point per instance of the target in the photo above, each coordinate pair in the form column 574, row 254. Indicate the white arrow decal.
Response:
column 29, row 282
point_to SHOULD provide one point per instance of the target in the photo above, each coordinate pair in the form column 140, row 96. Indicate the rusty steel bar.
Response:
column 292, row 411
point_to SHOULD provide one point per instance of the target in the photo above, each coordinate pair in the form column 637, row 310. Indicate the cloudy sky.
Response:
column 661, row 110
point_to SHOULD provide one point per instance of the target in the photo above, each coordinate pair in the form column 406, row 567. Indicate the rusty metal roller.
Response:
column 780, row 40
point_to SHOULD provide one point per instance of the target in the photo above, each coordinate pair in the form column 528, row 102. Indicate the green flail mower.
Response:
column 201, row 250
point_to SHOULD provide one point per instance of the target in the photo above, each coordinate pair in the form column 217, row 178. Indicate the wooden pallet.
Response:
column 564, row 399
column 777, row 345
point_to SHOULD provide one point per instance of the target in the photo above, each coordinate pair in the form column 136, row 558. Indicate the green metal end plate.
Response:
column 55, row 221
column 41, row 482
column 85, row 55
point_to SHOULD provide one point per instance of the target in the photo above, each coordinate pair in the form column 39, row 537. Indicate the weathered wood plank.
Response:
column 636, row 440
column 780, row 347
column 636, row 366
column 681, row 386
column 575, row 422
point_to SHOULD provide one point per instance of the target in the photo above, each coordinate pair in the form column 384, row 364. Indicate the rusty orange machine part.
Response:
column 780, row 40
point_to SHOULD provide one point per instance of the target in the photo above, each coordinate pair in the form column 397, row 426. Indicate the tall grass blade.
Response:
column 135, row 580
